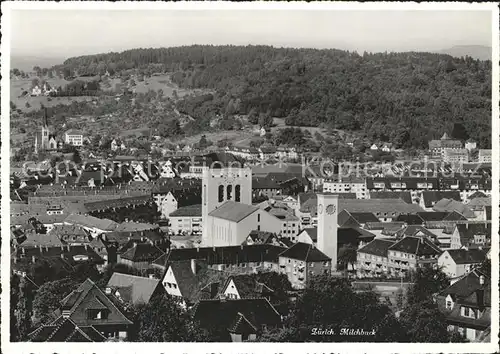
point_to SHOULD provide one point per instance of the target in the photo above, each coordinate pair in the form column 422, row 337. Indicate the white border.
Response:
column 204, row 348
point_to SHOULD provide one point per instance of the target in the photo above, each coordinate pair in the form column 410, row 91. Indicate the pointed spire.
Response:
column 45, row 120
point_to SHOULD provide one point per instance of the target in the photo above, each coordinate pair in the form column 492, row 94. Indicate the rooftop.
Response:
column 233, row 211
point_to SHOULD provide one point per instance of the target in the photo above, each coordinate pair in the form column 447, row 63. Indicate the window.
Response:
column 237, row 193
column 311, row 265
column 221, row 194
column 97, row 314
column 449, row 305
column 258, row 217
column 229, row 195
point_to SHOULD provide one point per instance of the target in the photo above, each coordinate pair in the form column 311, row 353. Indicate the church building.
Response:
column 44, row 139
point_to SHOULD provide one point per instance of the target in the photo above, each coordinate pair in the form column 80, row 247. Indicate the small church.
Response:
column 45, row 139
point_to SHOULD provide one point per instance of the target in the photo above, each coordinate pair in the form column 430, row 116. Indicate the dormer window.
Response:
column 97, row 314
column 449, row 304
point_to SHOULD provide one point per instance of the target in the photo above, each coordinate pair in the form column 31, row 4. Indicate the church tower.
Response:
column 328, row 205
column 44, row 143
column 221, row 185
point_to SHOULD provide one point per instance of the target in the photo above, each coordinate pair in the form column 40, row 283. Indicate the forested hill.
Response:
column 404, row 98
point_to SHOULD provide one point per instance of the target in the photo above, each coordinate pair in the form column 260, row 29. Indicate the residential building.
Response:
column 303, row 261
column 430, row 198
column 73, row 137
column 132, row 289
column 372, row 259
column 466, row 303
column 140, row 256
column 186, row 220
column 470, row 145
column 65, row 330
column 89, row 306
column 411, row 252
column 347, row 186
column 93, row 225
column 471, row 235
column 450, row 205
column 455, row 156
column 239, row 259
column 458, row 262
column 245, row 286
column 405, row 196
column 436, row 147
column 485, row 155
column 239, row 320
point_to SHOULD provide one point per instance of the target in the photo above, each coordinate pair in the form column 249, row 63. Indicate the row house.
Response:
column 347, row 186
column 186, row 220
column 458, row 262
column 247, row 153
column 437, row 147
column 372, row 260
column 471, row 235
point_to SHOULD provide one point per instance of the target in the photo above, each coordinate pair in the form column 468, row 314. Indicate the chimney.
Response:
column 22, row 249
column 108, row 291
column 327, row 226
column 222, row 297
column 68, row 248
column 41, row 248
column 33, row 259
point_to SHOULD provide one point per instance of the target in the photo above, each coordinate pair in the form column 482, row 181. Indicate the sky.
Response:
column 67, row 33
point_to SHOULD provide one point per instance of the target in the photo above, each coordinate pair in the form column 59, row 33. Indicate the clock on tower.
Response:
column 331, row 209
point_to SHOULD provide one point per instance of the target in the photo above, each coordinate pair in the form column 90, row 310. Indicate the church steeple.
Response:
column 45, row 119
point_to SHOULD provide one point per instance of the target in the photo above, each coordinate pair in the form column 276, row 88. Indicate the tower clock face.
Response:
column 331, row 209
column 320, row 208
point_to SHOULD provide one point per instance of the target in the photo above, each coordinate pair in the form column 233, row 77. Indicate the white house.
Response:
column 185, row 220
column 73, row 137
column 458, row 262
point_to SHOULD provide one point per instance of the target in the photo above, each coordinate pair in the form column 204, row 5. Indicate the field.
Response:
column 155, row 83
column 18, row 86
column 236, row 136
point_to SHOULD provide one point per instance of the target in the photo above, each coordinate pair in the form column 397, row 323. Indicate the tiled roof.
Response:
column 142, row 252
column 416, row 245
column 466, row 285
column 233, row 211
column 479, row 202
column 264, row 183
column 229, row 313
column 224, row 255
column 431, row 197
column 74, row 132
column 191, row 284
column 405, row 196
column 432, row 215
column 415, row 230
column 66, row 331
column 191, row 210
column 449, row 205
column 305, row 252
column 42, row 240
column 397, row 206
column 88, row 293
column 247, row 286
column 91, row 222
column 136, row 289
column 131, row 226
column 117, row 203
column 410, row 219
column 467, row 231
column 463, row 256
column 377, row 247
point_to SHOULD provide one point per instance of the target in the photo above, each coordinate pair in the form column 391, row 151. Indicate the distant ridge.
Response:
column 26, row 62
column 475, row 51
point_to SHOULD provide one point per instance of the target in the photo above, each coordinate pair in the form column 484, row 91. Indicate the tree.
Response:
column 203, row 143
column 424, row 323
column 174, row 128
column 14, row 301
column 24, row 309
column 332, row 304
column 164, row 320
column 265, row 120
column 459, row 132
column 253, row 116
column 427, row 281
column 48, row 296
column 347, row 256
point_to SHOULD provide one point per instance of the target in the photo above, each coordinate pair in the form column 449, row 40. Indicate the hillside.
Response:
column 405, row 98
column 475, row 51
column 26, row 63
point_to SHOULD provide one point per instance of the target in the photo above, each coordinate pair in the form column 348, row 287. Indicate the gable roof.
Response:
column 449, row 205
column 405, row 196
column 66, row 331
column 42, row 240
column 142, row 252
column 247, row 286
column 187, row 211
column 410, row 219
column 305, row 252
column 229, row 313
column 466, row 285
column 431, row 197
column 419, row 246
column 463, row 256
column 467, row 232
column 85, row 297
column 133, row 289
column 91, row 222
column 414, row 230
column 377, row 247
column 233, row 211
